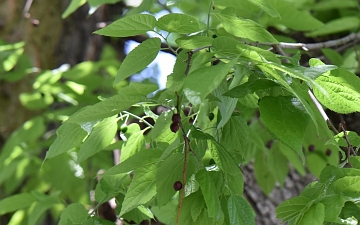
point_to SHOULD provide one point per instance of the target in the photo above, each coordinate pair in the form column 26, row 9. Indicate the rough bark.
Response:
column 264, row 206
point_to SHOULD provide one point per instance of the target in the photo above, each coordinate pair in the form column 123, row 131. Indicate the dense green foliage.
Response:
column 186, row 169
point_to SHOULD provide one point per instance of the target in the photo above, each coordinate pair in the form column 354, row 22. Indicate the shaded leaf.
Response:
column 69, row 135
column 287, row 119
column 138, row 59
column 142, row 188
column 100, row 137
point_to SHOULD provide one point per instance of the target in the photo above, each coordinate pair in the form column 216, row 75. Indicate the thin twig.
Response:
column 188, row 62
column 349, row 148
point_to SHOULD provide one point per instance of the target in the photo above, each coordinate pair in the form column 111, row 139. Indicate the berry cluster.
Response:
column 176, row 119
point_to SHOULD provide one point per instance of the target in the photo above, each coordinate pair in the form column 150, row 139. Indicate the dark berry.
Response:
column 269, row 144
column 214, row 36
column 123, row 128
column 211, row 116
column 176, row 118
column 328, row 152
column 177, row 186
column 311, row 148
column 174, row 127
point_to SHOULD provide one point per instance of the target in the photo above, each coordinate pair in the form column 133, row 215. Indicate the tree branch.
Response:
column 327, row 44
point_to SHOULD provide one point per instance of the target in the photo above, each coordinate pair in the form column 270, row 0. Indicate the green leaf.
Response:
column 226, row 104
column 251, row 87
column 16, row 202
column 223, row 158
column 245, row 28
column 289, row 17
column 266, row 6
column 134, row 144
column 293, row 158
column 287, row 119
column 193, row 201
column 142, row 188
column 45, row 203
column 178, row 23
column 314, row 215
column 194, row 42
column 138, row 59
column 210, row 194
column 201, row 82
column 129, row 26
column 226, row 46
column 348, row 23
column 170, row 171
column 263, row 175
column 303, row 73
column 128, row 96
column 235, row 183
column 144, row 158
column 278, row 164
column 76, row 213
column 235, row 134
column 100, row 137
column 333, row 205
column 353, row 137
column 342, row 91
column 72, row 7
column 240, row 212
column 347, row 185
column 69, row 135
column 290, row 208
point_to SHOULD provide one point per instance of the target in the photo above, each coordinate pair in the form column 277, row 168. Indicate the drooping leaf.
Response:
column 287, row 119
column 138, row 59
column 226, row 104
column 15, row 202
column 210, row 194
column 69, row 135
column 142, row 188
column 235, row 134
column 129, row 26
column 245, row 28
column 128, row 96
column 100, row 137
column 263, row 175
column 141, row 159
column 178, row 23
column 278, row 164
column 201, row 82
column 223, row 158
column 240, row 212
column 342, row 91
